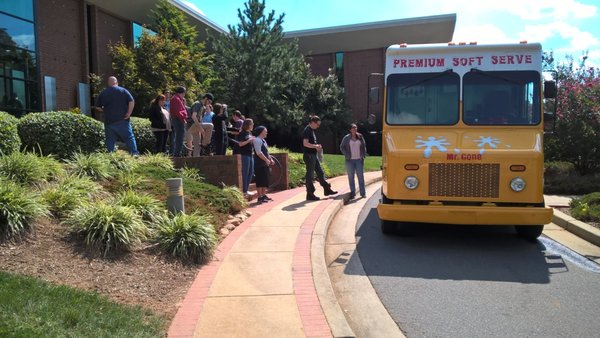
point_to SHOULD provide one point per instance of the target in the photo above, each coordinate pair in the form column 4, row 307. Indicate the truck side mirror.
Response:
column 550, row 89
column 374, row 95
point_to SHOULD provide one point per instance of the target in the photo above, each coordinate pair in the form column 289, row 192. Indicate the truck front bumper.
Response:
column 482, row 215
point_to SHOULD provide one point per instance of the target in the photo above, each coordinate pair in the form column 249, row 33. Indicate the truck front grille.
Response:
column 464, row 180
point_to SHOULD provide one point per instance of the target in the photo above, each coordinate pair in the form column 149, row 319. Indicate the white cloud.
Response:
column 191, row 5
column 577, row 40
column 24, row 40
column 526, row 10
column 481, row 34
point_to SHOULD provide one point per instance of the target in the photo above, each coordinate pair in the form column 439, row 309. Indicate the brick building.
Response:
column 50, row 46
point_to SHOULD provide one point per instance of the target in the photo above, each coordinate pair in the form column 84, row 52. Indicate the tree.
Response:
column 267, row 78
column 261, row 73
column 577, row 137
column 163, row 61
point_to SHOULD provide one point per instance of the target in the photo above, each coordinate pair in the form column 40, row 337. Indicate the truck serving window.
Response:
column 501, row 97
column 423, row 99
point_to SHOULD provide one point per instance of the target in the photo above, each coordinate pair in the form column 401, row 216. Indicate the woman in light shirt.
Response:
column 354, row 148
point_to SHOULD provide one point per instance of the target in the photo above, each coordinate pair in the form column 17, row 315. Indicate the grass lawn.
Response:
column 33, row 308
column 334, row 166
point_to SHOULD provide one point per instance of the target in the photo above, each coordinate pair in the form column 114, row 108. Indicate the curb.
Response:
column 579, row 228
column 331, row 308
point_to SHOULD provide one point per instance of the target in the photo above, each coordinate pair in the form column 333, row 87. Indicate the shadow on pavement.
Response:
column 450, row 252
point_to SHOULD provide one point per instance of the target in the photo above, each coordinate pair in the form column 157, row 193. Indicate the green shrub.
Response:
column 562, row 178
column 586, row 208
column 108, row 229
column 187, row 237
column 18, row 209
column 70, row 193
column 145, row 205
column 191, row 173
column 95, row 165
column 24, row 168
column 236, row 199
column 9, row 134
column 61, row 133
column 126, row 180
column 144, row 137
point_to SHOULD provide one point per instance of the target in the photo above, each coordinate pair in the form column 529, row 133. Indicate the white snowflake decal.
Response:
column 490, row 141
column 432, row 142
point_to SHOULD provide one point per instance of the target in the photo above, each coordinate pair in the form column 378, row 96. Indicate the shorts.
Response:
column 261, row 176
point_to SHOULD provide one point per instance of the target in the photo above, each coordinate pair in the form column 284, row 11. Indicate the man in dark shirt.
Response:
column 311, row 147
column 117, row 104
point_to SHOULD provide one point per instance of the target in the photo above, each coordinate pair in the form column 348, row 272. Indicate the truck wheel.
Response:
column 388, row 227
column 529, row 232
column 385, row 200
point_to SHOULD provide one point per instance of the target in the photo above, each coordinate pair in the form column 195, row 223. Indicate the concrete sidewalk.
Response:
column 260, row 281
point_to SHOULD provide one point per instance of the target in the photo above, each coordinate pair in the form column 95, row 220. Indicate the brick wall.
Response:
column 320, row 64
column 357, row 67
column 107, row 29
column 218, row 170
column 61, row 36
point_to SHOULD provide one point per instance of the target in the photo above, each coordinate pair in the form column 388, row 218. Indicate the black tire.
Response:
column 385, row 200
column 529, row 232
column 388, row 227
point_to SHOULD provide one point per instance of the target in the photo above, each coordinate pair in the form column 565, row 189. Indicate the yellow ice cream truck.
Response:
column 463, row 136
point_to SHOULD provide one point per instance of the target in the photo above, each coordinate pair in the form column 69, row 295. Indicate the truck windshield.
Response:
column 501, row 97
column 423, row 98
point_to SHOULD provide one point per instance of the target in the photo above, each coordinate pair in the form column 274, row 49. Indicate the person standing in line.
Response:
column 117, row 104
column 178, row 112
column 234, row 131
column 220, row 132
column 262, row 162
column 206, row 122
column 354, row 148
column 245, row 140
column 160, row 123
column 310, row 148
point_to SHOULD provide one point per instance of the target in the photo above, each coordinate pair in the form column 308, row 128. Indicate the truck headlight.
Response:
column 411, row 182
column 517, row 184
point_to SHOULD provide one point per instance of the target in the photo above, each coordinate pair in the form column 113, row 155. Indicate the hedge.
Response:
column 9, row 135
column 61, row 133
column 144, row 137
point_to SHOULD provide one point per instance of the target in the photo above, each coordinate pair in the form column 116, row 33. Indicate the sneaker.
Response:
column 267, row 198
column 328, row 192
column 352, row 196
column 312, row 197
column 363, row 196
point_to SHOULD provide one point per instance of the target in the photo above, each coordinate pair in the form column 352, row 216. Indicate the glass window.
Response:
column 20, row 8
column 339, row 67
column 501, row 98
column 16, row 33
column 423, row 99
column 138, row 30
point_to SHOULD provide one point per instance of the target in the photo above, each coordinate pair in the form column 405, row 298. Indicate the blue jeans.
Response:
column 356, row 167
column 178, row 130
column 312, row 166
column 247, row 172
column 120, row 130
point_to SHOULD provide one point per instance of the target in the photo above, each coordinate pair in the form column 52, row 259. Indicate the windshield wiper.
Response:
column 494, row 76
column 428, row 79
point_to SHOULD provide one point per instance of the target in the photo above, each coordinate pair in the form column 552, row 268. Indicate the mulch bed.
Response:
column 142, row 277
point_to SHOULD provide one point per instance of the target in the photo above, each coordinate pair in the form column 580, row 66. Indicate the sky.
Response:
column 566, row 27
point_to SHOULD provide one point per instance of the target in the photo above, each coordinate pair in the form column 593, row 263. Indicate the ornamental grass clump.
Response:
column 18, row 210
column 23, row 168
column 145, row 205
column 94, row 165
column 121, row 161
column 190, row 238
column 107, row 228
column 236, row 199
column 69, row 193
column 157, row 160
